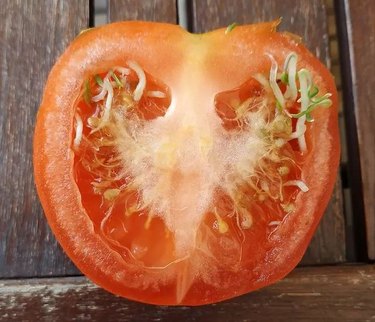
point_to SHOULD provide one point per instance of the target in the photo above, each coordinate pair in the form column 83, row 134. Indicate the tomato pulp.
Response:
column 186, row 169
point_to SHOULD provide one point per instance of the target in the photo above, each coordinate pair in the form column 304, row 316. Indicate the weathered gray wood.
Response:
column 151, row 10
column 309, row 20
column 359, row 82
column 309, row 294
column 32, row 35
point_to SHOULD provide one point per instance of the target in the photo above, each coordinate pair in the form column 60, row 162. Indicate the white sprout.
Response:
column 79, row 130
column 273, row 83
column 108, row 104
column 305, row 81
column 290, row 67
column 262, row 80
column 122, row 70
column 274, row 223
column 138, row 92
column 156, row 94
column 300, row 131
column 298, row 183
column 100, row 96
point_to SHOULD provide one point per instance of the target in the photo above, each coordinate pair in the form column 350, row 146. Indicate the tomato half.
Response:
column 177, row 168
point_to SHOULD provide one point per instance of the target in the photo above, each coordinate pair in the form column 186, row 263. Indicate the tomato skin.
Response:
column 175, row 51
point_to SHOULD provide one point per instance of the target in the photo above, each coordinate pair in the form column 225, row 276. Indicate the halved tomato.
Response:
column 177, row 168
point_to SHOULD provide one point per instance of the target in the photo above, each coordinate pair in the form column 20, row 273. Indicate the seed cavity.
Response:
column 173, row 168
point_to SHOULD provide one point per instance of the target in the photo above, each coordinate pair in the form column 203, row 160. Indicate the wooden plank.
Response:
column 308, row 19
column 309, row 294
column 328, row 244
column 357, row 35
column 32, row 35
column 151, row 10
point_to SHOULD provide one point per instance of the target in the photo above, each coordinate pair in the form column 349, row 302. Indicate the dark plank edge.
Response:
column 331, row 293
column 32, row 35
column 356, row 29
column 350, row 102
column 308, row 19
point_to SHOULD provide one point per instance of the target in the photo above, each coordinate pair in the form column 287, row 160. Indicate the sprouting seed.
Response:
column 231, row 27
column 275, row 131
column 221, row 224
column 138, row 92
column 323, row 101
column 84, row 31
column 87, row 92
column 156, row 94
column 116, row 79
column 283, row 171
column 313, row 91
column 280, row 100
column 93, row 122
column 290, row 68
column 98, row 80
column 284, row 78
column 298, row 183
column 111, row 194
column 79, row 130
column 288, row 207
column 246, row 220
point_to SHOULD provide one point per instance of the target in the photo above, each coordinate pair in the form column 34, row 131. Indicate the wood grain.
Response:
column 151, row 10
column 308, row 19
column 32, row 35
column 359, row 71
column 328, row 244
column 309, row 294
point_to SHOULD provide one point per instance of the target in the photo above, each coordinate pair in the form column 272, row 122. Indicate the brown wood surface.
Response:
column 150, row 10
column 309, row 294
column 309, row 19
column 32, row 35
column 360, row 24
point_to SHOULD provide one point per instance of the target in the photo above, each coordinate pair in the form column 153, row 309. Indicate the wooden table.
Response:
column 336, row 280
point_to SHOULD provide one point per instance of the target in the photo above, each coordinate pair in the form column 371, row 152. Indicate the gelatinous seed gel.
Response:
column 189, row 186
column 164, row 168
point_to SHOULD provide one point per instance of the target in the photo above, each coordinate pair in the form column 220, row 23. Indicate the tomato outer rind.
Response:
column 104, row 47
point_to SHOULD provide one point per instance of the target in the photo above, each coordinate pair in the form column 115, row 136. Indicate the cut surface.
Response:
column 194, row 170
column 197, row 179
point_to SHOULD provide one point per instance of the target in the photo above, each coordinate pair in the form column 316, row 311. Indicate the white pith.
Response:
column 178, row 164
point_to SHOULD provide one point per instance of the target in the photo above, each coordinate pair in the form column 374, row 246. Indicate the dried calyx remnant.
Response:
column 142, row 158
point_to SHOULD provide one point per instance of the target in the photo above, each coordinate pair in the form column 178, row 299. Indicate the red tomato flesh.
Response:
column 176, row 175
